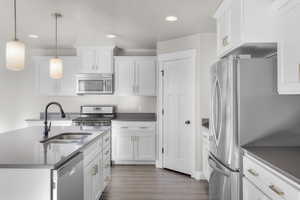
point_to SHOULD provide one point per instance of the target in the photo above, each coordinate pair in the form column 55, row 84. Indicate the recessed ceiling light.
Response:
column 33, row 36
column 111, row 36
column 171, row 18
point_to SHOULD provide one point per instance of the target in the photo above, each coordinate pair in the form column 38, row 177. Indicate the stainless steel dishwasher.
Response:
column 67, row 180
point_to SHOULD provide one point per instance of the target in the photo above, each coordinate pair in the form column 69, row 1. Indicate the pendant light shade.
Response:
column 15, row 50
column 15, row 55
column 56, row 68
column 56, row 64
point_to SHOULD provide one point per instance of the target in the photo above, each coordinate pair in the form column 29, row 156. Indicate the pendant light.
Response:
column 56, row 64
column 15, row 49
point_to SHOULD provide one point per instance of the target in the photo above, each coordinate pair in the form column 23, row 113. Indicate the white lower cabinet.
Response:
column 97, row 167
column 251, row 192
column 122, row 146
column 133, row 142
column 268, row 184
column 93, row 179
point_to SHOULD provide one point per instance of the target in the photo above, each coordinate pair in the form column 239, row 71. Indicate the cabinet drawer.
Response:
column 268, row 180
column 133, row 125
column 91, row 151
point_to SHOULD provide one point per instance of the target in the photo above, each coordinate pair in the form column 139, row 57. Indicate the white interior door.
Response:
column 178, row 119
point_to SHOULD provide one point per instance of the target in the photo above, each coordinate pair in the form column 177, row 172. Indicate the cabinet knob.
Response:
column 187, row 122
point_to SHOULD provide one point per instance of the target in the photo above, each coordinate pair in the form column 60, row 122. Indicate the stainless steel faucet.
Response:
column 63, row 115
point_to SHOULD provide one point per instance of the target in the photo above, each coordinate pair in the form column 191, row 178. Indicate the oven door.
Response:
column 223, row 183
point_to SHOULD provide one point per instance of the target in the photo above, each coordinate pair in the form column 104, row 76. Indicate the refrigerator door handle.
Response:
column 216, row 111
column 214, row 167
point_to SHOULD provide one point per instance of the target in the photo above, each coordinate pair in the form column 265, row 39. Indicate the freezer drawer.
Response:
column 224, row 183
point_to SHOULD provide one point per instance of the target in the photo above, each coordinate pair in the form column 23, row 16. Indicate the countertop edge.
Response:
column 277, row 169
column 52, row 166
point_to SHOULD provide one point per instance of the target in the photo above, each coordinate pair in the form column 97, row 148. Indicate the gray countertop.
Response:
column 119, row 117
column 135, row 117
column 285, row 160
column 22, row 148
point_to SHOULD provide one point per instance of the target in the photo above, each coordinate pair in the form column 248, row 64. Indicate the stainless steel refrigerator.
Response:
column 245, row 106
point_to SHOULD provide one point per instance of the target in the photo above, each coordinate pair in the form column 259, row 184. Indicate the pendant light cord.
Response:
column 15, row 18
column 56, row 45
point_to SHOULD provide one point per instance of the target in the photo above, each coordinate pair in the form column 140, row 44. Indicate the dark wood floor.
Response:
column 149, row 183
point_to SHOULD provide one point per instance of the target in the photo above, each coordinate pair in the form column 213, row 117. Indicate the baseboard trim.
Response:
column 198, row 175
column 133, row 162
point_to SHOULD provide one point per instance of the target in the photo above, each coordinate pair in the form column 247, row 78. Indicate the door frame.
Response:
column 162, row 58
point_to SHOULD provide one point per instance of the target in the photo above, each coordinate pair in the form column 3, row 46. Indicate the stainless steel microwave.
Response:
column 94, row 84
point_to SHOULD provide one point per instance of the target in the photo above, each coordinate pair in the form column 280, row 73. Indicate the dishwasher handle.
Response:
column 69, row 166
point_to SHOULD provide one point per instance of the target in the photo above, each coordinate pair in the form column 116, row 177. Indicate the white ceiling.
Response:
column 138, row 23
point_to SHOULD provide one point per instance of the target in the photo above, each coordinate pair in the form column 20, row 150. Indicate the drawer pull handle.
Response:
column 143, row 127
column 253, row 172
column 95, row 170
column 124, row 127
column 225, row 41
column 276, row 190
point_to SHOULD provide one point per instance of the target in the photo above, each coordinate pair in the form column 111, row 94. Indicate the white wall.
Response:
column 205, row 45
column 19, row 99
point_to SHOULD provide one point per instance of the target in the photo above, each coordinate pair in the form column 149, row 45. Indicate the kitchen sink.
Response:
column 70, row 137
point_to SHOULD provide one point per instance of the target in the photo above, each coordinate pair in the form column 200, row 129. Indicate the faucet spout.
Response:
column 63, row 115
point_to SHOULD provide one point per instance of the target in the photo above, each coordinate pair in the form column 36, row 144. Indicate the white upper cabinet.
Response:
column 96, row 59
column 65, row 86
column 287, row 16
column 146, row 77
column 135, row 76
column 124, row 76
column 243, row 22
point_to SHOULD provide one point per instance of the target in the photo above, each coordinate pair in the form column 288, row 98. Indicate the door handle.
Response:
column 187, row 122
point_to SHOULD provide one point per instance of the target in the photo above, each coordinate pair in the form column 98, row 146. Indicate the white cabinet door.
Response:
column 45, row 84
column 224, row 30
column 135, row 76
column 123, row 147
column 56, row 87
column 145, row 147
column 68, row 82
column 125, row 77
column 238, row 26
column 289, row 51
column 251, row 192
column 96, row 59
column 92, row 180
column 104, row 60
column 146, row 77
column 88, row 60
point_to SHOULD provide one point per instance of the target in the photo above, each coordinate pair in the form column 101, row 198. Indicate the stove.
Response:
column 95, row 117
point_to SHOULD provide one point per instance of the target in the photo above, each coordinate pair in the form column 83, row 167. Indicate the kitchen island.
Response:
column 30, row 169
